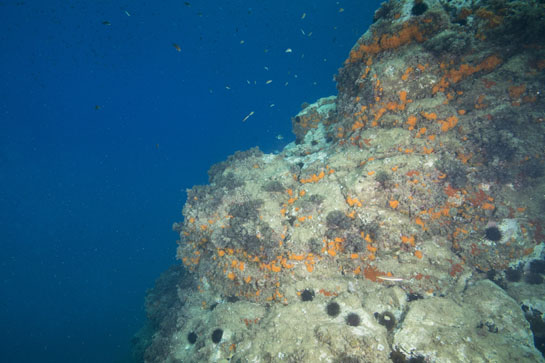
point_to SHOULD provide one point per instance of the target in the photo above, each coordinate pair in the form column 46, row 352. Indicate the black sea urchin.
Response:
column 333, row 309
column 307, row 295
column 192, row 337
column 216, row 335
column 493, row 234
column 353, row 319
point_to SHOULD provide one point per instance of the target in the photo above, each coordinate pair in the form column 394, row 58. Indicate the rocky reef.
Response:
column 405, row 223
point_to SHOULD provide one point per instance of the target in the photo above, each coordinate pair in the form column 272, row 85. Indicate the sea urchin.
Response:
column 333, row 309
column 353, row 319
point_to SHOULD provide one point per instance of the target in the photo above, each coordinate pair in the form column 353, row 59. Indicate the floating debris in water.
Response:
column 247, row 116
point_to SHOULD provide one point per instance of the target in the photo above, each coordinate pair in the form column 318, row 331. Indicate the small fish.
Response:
column 271, row 105
column 269, row 81
column 288, row 50
column 106, row 22
column 387, row 278
column 266, row 68
column 279, row 137
column 187, row 3
column 303, row 16
column 227, row 87
column 177, row 47
column 97, row 107
column 126, row 12
column 242, row 42
column 341, row 10
column 302, row 31
column 247, row 116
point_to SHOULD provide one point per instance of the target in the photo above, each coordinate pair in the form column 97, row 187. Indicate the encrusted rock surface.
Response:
column 483, row 324
column 381, row 205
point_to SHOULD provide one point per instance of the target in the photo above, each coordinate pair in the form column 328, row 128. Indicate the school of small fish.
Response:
column 288, row 50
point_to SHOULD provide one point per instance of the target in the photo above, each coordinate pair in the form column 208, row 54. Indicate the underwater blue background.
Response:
column 104, row 124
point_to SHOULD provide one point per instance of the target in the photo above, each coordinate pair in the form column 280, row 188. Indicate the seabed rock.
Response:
column 380, row 205
column 483, row 324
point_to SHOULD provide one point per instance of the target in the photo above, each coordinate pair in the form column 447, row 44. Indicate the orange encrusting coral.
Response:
column 429, row 115
column 409, row 32
column 313, row 178
column 353, row 201
column 454, row 76
column 449, row 123
column 405, row 75
column 465, row 70
column 411, row 121
column 409, row 240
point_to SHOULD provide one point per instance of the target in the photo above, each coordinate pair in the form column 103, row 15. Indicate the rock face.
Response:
column 402, row 198
column 481, row 325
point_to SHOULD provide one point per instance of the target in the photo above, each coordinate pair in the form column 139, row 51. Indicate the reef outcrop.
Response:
column 382, row 204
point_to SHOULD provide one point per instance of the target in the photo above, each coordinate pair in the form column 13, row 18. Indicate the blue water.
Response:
column 104, row 124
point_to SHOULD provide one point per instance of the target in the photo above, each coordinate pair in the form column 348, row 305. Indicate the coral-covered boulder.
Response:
column 422, row 177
